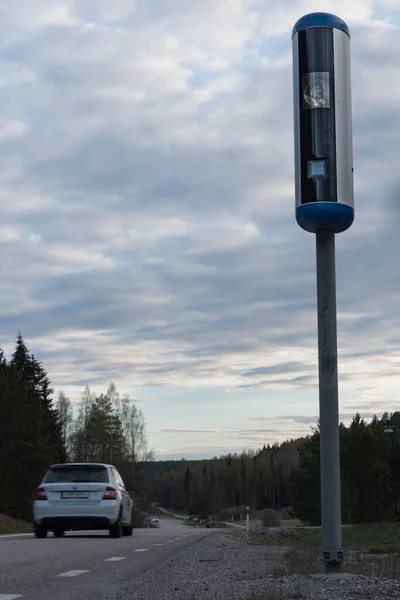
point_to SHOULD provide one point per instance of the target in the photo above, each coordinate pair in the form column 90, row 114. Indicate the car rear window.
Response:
column 77, row 474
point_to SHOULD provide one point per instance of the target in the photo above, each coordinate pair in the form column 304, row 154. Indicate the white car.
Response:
column 82, row 496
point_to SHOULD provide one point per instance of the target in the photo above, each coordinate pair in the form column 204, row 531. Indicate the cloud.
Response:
column 299, row 419
column 146, row 185
column 189, row 430
column 143, row 400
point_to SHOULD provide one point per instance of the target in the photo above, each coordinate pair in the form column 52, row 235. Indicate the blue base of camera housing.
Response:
column 331, row 216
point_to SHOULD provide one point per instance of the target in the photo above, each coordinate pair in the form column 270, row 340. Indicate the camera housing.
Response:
column 323, row 123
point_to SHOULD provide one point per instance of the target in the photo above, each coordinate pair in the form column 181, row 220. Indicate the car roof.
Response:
column 79, row 464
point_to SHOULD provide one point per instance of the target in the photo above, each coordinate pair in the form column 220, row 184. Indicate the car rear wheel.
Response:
column 39, row 530
column 58, row 532
column 116, row 528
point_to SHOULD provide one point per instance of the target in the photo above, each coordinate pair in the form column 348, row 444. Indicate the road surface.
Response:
column 88, row 566
column 171, row 514
column 176, row 516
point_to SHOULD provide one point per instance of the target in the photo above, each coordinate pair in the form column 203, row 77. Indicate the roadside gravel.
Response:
column 224, row 566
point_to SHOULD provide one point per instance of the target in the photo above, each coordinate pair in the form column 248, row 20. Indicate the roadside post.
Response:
column 325, row 206
column 247, row 519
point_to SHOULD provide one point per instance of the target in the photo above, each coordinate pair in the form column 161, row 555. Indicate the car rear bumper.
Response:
column 106, row 513
column 76, row 523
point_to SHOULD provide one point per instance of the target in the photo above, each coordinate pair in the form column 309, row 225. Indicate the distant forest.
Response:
column 37, row 430
column 288, row 476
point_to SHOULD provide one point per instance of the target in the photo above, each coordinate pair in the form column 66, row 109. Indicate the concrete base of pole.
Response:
column 332, row 568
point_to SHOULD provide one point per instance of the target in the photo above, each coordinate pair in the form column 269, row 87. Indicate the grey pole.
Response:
column 328, row 402
column 325, row 206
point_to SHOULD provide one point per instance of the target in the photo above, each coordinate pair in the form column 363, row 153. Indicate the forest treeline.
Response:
column 288, row 476
column 37, row 430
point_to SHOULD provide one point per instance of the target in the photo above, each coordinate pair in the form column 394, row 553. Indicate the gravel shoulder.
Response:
column 224, row 566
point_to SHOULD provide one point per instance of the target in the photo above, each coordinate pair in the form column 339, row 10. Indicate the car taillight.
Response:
column 41, row 494
column 110, row 494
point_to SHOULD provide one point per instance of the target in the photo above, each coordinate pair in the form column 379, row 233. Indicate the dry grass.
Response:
column 385, row 566
column 284, row 523
column 290, row 523
column 11, row 525
column 370, row 549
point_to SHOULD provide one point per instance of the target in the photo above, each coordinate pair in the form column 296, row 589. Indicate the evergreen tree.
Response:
column 51, row 419
column 187, row 486
column 306, row 481
column 37, row 380
column 24, row 453
column 22, row 361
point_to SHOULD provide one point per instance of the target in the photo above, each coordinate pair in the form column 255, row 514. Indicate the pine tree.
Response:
column 187, row 486
column 24, row 454
column 21, row 359
column 306, row 481
column 51, row 418
column 37, row 380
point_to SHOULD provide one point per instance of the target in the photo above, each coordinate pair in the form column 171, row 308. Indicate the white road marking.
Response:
column 141, row 550
column 158, row 544
column 10, row 596
column 185, row 535
column 115, row 559
column 178, row 538
column 73, row 573
column 170, row 541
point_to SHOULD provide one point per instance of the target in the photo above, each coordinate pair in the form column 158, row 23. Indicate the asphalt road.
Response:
column 88, row 566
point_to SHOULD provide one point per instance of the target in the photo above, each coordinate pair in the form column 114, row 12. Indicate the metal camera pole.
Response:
column 328, row 402
column 325, row 206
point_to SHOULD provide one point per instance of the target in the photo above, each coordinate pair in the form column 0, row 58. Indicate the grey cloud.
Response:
column 311, row 419
column 191, row 430
column 274, row 369
column 301, row 381
column 298, row 419
column 234, row 274
column 233, row 432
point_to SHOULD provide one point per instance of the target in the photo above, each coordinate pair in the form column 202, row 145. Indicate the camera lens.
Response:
column 316, row 93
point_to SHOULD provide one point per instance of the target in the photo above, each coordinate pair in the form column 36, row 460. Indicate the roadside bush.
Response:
column 286, row 513
column 270, row 518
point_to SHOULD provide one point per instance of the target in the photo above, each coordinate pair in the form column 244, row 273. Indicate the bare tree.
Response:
column 134, row 427
column 65, row 415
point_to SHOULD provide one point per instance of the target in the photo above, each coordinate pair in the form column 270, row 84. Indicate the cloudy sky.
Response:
column 147, row 201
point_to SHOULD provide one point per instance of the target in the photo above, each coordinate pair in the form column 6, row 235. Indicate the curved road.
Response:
column 88, row 566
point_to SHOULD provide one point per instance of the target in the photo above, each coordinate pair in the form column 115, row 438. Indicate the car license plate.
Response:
column 74, row 495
